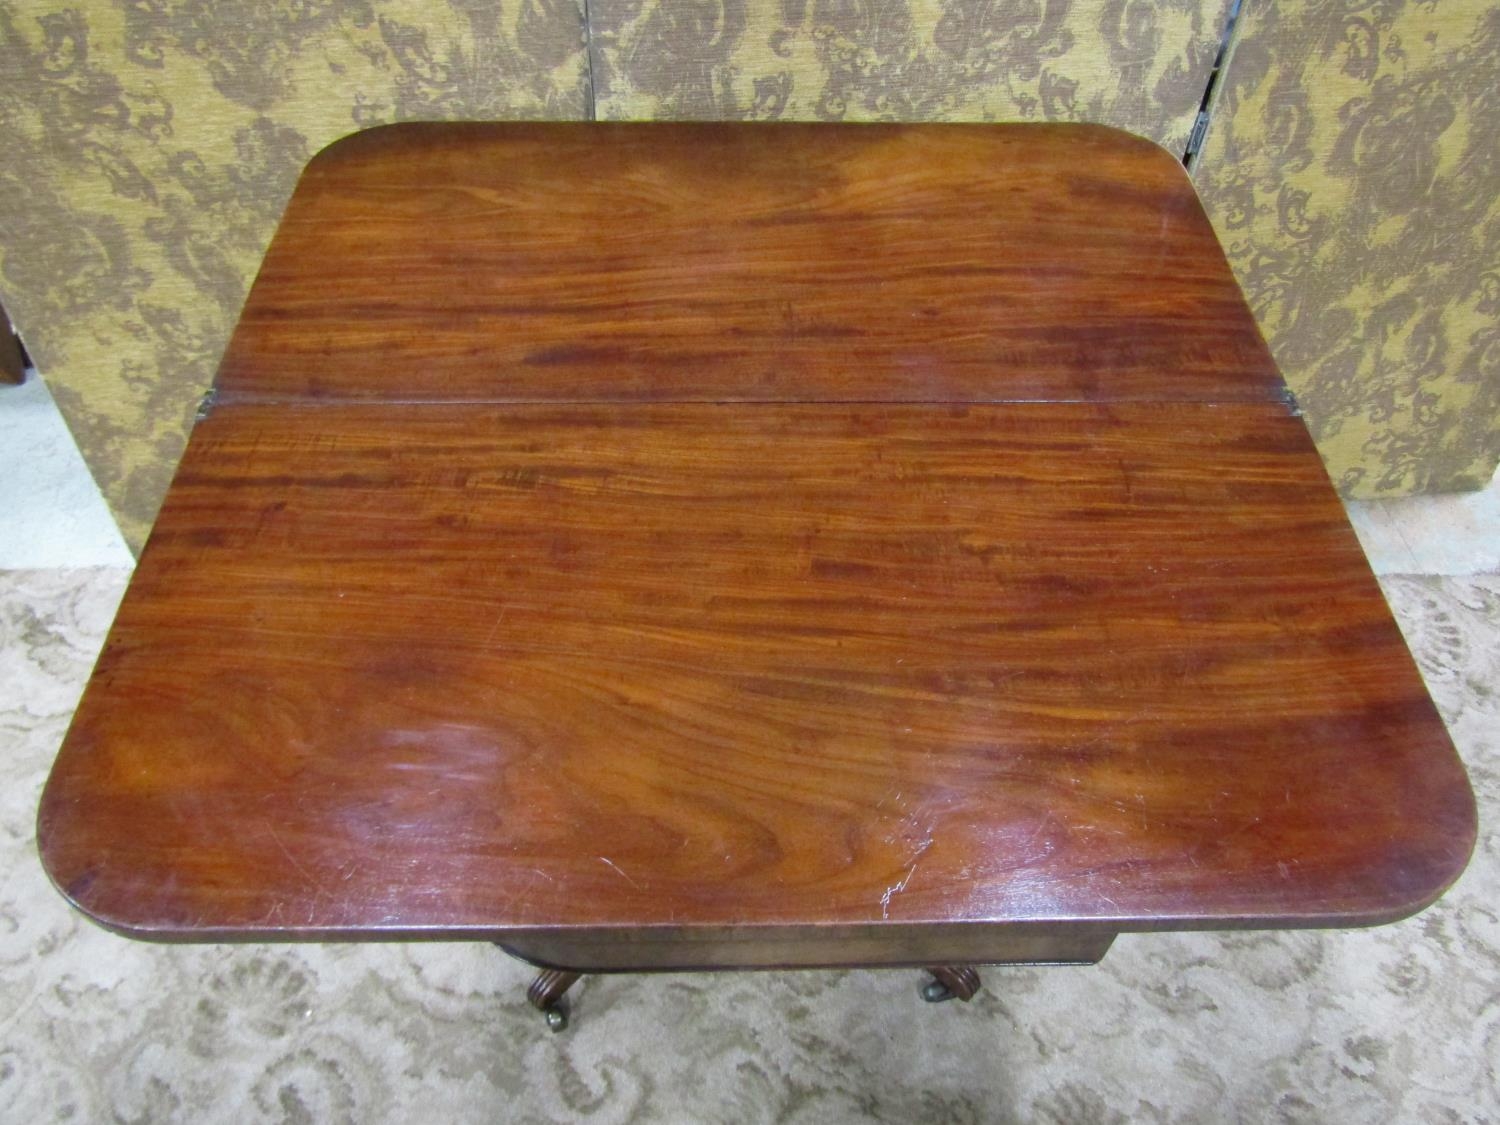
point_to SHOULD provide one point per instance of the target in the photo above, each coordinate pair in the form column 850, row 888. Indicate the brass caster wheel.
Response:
column 546, row 996
column 935, row 992
column 950, row 982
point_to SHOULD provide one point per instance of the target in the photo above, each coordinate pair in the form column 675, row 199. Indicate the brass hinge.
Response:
column 206, row 405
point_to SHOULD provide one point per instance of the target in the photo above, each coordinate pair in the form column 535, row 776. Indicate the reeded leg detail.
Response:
column 546, row 995
column 951, row 982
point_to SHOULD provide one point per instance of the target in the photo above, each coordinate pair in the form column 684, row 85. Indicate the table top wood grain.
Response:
column 683, row 535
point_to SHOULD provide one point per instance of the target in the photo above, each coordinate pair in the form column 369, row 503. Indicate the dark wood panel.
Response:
column 456, row 670
column 582, row 262
column 890, row 945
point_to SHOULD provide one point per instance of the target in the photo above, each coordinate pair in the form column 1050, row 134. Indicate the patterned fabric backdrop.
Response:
column 1141, row 65
column 1353, row 173
column 149, row 146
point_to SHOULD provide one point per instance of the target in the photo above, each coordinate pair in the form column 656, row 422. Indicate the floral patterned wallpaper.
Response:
column 149, row 146
column 1352, row 170
column 1141, row 65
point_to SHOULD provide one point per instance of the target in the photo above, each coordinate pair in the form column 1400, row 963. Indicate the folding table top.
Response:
column 677, row 533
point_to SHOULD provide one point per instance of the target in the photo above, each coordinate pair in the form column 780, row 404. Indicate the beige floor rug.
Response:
column 1400, row 1023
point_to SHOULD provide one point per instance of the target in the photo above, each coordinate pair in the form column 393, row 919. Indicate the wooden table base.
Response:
column 548, row 990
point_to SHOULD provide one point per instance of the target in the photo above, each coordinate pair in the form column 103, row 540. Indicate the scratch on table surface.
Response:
column 621, row 870
column 312, row 879
column 1041, row 826
column 495, row 628
column 890, row 797
column 896, row 888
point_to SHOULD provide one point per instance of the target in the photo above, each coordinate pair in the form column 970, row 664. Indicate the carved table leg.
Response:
column 546, row 995
column 951, row 982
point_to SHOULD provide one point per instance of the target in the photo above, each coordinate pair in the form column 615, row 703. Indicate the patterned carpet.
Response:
column 1400, row 1023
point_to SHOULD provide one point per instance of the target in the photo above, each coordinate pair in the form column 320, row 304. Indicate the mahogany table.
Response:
column 743, row 546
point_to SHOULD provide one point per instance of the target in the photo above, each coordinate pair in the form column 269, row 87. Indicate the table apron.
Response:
column 812, row 948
